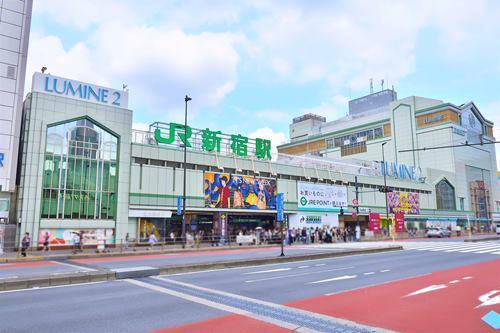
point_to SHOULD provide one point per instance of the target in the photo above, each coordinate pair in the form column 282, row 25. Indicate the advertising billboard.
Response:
column 313, row 220
column 403, row 202
column 65, row 237
column 374, row 223
column 399, row 218
column 224, row 190
column 321, row 197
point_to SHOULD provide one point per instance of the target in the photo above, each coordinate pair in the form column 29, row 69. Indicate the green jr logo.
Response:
column 184, row 133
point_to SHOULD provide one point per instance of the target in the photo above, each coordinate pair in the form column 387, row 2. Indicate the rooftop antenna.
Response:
column 382, row 84
column 371, row 86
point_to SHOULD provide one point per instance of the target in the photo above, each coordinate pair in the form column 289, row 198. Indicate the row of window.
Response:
column 154, row 162
column 367, row 135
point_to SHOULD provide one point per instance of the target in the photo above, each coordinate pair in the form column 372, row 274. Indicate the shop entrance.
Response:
column 250, row 223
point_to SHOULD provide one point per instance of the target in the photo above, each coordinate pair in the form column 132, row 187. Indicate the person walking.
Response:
column 126, row 241
column 25, row 243
column 152, row 240
column 46, row 242
column 358, row 233
column 76, row 242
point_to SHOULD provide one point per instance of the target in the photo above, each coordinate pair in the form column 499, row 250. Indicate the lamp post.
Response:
column 385, row 190
column 186, row 100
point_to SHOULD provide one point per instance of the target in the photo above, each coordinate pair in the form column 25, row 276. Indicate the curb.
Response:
column 128, row 253
column 96, row 276
column 264, row 261
column 482, row 239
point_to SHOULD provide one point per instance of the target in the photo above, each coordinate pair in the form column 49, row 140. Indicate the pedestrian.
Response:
column 80, row 248
column 25, row 243
column 46, row 242
column 172, row 237
column 76, row 242
column 358, row 233
column 152, row 241
column 126, row 241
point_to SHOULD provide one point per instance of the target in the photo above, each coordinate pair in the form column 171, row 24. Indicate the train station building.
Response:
column 83, row 167
column 449, row 146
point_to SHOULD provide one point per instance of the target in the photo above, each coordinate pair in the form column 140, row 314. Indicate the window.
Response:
column 368, row 135
column 445, row 195
column 80, row 172
column 462, row 203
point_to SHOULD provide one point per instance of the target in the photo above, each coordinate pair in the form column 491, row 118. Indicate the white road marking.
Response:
column 280, row 263
column 385, row 270
column 455, row 281
column 61, row 286
column 298, row 274
column 482, row 249
column 269, row 271
column 87, row 269
column 467, row 278
column 338, row 278
column 369, row 273
column 373, row 285
column 320, row 265
column 303, row 266
column 427, row 289
column 486, row 299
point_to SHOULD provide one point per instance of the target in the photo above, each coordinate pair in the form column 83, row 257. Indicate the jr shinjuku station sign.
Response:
column 211, row 141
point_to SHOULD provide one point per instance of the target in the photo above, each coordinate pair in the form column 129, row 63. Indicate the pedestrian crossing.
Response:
column 454, row 247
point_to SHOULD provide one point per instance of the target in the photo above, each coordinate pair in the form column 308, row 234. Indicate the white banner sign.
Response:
column 320, row 197
column 149, row 213
column 313, row 220
column 82, row 91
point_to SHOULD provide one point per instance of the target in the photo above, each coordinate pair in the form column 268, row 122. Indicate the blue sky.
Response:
column 251, row 66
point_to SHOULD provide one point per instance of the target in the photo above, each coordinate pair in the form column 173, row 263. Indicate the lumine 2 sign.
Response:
column 211, row 141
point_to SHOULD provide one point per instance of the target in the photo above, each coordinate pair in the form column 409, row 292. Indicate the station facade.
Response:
column 83, row 168
column 382, row 128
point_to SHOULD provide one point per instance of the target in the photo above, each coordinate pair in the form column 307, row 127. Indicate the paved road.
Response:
column 348, row 294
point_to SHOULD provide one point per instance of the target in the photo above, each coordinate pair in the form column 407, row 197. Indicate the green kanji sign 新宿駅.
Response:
column 210, row 141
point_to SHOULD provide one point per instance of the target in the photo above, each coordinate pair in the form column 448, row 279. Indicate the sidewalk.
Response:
column 177, row 248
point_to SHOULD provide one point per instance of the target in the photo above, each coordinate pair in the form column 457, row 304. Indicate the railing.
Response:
column 355, row 167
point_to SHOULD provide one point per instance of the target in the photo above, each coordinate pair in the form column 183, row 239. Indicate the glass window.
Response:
column 445, row 195
column 79, row 172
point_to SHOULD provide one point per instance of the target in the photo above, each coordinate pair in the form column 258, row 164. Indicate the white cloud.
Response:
column 276, row 138
column 159, row 64
column 272, row 115
column 333, row 108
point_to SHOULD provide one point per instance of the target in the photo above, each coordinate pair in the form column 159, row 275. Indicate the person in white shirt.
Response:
column 152, row 240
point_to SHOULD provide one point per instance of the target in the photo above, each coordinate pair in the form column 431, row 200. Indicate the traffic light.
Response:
column 384, row 189
column 341, row 211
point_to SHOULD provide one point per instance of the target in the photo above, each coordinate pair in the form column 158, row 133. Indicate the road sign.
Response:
column 280, row 212
column 355, row 202
column 354, row 214
column 179, row 205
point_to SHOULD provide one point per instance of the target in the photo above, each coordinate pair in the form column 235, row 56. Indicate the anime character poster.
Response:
column 223, row 190
column 404, row 202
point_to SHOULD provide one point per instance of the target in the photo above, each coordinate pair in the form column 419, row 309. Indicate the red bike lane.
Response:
column 452, row 300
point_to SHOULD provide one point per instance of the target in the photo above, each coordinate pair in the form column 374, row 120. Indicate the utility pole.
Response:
column 186, row 100
column 357, row 202
column 385, row 191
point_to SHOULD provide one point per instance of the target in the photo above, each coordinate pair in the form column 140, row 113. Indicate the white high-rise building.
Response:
column 15, row 20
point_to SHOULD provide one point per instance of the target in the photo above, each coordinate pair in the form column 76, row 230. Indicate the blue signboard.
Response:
column 2, row 157
column 179, row 205
column 280, row 211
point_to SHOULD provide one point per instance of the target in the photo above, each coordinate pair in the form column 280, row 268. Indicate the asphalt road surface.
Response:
column 430, row 287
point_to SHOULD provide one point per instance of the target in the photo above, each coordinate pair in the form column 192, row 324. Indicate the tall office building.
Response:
column 15, row 20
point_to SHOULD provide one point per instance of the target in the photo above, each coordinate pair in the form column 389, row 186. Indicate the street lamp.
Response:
column 186, row 100
column 385, row 190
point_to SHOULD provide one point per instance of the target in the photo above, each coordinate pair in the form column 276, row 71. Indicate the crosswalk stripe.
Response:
column 469, row 247
column 483, row 247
